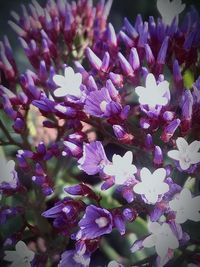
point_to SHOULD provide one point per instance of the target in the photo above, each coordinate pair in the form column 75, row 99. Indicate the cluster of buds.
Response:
column 113, row 109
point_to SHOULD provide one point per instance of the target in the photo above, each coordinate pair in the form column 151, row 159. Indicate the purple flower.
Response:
column 71, row 258
column 96, row 222
column 93, row 159
column 97, row 103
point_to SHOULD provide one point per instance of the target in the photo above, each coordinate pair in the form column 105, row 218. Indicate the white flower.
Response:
column 153, row 94
column 69, row 84
column 152, row 184
column 162, row 238
column 114, row 264
column 186, row 207
column 121, row 168
column 8, row 174
column 21, row 257
column 186, row 154
column 170, row 9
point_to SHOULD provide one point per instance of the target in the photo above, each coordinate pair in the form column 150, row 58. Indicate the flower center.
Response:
column 101, row 222
column 103, row 105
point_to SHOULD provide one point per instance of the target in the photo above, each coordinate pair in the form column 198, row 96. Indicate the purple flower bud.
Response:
column 124, row 113
column 130, row 29
column 119, row 131
column 39, row 180
column 168, row 115
column 187, row 104
column 117, row 79
column 23, row 98
column 134, row 59
column 41, row 149
column 43, row 71
column 126, row 40
column 178, row 79
column 19, row 125
column 119, row 222
column 111, row 88
column 129, row 214
column 149, row 55
column 93, row 59
column 68, row 111
column 122, row 135
column 105, row 62
column 169, row 130
column 143, row 34
column 125, row 65
column 163, row 51
column 149, row 141
column 74, row 149
column 158, row 156
column 137, row 245
column 187, row 108
column 111, row 36
column 8, row 108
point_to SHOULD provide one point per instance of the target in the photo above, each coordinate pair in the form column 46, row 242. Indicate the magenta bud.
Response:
column 134, row 59
column 93, row 59
column 158, row 156
column 161, row 59
column 105, row 62
column 19, row 125
column 125, row 65
column 169, row 130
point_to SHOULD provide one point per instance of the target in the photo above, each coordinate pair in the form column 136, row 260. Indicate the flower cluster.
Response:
column 105, row 133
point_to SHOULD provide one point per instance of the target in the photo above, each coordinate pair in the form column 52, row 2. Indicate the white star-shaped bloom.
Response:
column 186, row 154
column 170, row 9
column 69, row 84
column 8, row 174
column 162, row 238
column 22, row 257
column 186, row 207
column 121, row 168
column 152, row 185
column 153, row 94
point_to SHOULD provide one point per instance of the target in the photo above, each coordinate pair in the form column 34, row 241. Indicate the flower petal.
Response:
column 182, row 144
column 174, row 154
